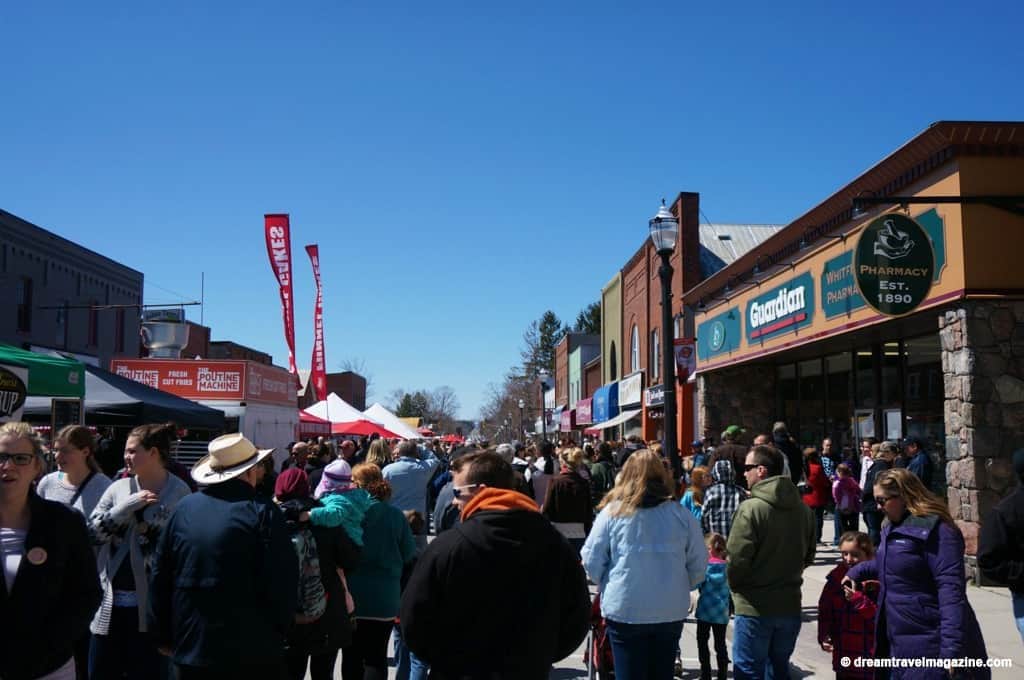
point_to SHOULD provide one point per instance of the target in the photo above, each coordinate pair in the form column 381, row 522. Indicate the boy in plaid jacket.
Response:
column 721, row 500
column 846, row 618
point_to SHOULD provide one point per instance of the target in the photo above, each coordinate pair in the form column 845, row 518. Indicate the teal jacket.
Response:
column 387, row 546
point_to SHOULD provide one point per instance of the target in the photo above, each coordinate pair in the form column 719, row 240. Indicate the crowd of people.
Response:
column 237, row 569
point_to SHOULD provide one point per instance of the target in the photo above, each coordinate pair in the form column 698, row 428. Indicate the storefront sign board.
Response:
column 211, row 380
column 654, row 396
column 719, row 335
column 781, row 310
column 631, row 390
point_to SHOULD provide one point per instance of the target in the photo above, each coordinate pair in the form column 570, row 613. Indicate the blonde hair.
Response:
column 655, row 447
column 920, row 502
column 379, row 453
column 643, row 473
column 17, row 430
column 571, row 458
column 698, row 476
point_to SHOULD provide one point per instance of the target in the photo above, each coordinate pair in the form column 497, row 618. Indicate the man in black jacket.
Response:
column 471, row 587
column 1001, row 544
column 225, row 581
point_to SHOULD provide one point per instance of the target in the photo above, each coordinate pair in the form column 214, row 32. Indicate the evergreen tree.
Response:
column 589, row 319
column 541, row 338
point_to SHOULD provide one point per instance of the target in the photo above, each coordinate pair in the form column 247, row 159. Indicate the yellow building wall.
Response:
column 993, row 238
column 611, row 329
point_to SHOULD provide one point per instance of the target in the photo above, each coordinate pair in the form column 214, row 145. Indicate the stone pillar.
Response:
column 983, row 371
column 739, row 395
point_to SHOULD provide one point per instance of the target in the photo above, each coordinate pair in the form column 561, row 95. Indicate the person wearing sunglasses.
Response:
column 50, row 589
column 922, row 602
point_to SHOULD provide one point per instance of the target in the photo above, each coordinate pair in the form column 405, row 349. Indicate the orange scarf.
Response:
column 498, row 499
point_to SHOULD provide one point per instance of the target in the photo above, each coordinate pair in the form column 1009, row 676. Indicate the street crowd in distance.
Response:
column 235, row 569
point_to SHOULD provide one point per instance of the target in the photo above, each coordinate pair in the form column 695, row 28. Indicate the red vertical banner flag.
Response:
column 279, row 250
column 318, row 366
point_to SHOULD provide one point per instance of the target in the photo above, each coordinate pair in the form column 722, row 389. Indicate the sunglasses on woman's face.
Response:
column 461, row 491
column 16, row 458
column 882, row 500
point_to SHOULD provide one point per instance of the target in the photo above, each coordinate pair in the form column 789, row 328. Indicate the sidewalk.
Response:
column 992, row 606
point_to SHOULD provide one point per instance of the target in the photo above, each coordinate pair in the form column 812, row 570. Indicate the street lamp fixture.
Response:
column 522, row 425
column 664, row 229
column 542, row 375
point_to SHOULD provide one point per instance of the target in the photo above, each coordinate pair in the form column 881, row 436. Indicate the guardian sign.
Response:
column 894, row 264
column 784, row 309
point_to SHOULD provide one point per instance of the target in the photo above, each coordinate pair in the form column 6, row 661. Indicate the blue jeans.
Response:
column 1018, row 612
column 644, row 651
column 408, row 666
column 762, row 645
column 873, row 519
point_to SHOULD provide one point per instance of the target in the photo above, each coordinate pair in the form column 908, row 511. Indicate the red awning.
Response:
column 426, row 432
column 310, row 426
column 363, row 427
column 452, row 439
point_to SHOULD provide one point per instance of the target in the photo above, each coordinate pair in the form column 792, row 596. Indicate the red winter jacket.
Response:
column 821, row 489
column 848, row 624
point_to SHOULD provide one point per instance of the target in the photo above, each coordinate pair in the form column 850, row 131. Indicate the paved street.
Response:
column 992, row 606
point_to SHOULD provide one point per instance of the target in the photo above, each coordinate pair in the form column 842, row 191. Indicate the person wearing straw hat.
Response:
column 225, row 584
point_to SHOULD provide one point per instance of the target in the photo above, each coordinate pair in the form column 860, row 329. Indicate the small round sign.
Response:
column 717, row 336
column 894, row 264
column 12, row 393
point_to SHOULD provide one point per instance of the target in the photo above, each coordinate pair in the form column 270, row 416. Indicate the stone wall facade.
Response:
column 983, row 371
column 741, row 395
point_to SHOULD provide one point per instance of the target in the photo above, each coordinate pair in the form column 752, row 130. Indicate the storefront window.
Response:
column 812, row 403
column 786, row 384
column 838, row 407
column 864, row 365
column 892, row 386
column 925, row 391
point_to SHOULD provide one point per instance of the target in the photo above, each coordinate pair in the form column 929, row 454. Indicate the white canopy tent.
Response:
column 379, row 414
column 337, row 410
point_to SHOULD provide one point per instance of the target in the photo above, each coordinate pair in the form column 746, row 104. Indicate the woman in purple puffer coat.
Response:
column 922, row 603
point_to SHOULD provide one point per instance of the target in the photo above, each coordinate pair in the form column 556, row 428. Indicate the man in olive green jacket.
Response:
column 771, row 542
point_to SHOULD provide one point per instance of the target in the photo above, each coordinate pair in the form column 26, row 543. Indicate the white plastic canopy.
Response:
column 389, row 420
column 337, row 410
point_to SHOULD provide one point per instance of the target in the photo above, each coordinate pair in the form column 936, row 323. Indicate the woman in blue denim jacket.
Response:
column 645, row 552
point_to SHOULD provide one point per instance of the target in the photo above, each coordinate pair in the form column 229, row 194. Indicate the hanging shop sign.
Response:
column 686, row 358
column 631, row 389
column 894, row 264
column 584, row 412
column 719, row 335
column 13, row 390
column 654, row 396
column 781, row 310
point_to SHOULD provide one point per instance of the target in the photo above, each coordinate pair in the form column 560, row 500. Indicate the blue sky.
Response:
column 463, row 166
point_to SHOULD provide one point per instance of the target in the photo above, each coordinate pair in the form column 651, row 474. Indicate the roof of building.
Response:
column 940, row 143
column 723, row 244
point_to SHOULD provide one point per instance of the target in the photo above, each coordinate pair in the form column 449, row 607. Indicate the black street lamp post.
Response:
column 522, row 424
column 664, row 233
column 542, row 374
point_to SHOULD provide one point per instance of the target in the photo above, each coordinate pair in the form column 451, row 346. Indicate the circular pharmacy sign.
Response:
column 894, row 264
